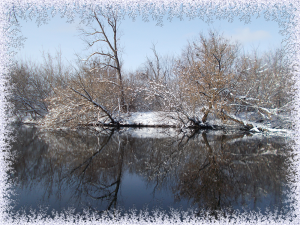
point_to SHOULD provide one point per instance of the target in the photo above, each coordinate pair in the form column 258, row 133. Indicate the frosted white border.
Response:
column 221, row 9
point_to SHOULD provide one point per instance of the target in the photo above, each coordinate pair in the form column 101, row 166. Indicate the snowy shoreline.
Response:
column 167, row 120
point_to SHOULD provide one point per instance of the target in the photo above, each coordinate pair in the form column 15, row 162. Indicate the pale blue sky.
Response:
column 137, row 37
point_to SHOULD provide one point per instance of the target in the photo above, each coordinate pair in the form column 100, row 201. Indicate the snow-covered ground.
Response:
column 273, row 126
column 151, row 118
column 150, row 132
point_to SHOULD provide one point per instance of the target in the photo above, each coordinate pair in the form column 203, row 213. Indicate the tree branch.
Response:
column 94, row 103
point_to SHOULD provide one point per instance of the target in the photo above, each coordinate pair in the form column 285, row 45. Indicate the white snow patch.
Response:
column 254, row 129
column 155, row 133
column 151, row 118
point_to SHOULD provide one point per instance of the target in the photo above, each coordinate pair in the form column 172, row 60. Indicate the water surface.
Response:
column 148, row 169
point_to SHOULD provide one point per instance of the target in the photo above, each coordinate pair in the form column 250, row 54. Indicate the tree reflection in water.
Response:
column 215, row 171
column 224, row 173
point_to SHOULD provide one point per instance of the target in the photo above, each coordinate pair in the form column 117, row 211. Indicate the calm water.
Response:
column 148, row 169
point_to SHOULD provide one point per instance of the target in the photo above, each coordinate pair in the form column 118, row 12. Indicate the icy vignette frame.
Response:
column 285, row 13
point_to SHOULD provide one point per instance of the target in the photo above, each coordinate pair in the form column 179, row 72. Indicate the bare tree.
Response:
column 159, row 68
column 154, row 83
column 82, row 102
column 207, row 71
column 31, row 84
column 27, row 91
column 264, row 86
column 216, row 79
column 109, row 52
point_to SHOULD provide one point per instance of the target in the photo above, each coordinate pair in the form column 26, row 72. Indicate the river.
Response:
column 148, row 169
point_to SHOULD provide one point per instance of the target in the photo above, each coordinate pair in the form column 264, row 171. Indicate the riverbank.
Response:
column 178, row 121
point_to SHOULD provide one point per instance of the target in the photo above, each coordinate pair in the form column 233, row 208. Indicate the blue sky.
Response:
column 138, row 36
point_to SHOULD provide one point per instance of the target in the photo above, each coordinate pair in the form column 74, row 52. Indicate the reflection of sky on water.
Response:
column 134, row 194
column 152, row 172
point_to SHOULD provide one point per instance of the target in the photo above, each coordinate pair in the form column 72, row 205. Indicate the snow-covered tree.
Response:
column 207, row 71
column 216, row 79
column 90, row 96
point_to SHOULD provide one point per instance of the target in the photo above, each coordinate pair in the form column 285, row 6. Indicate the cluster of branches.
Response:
column 217, row 79
column 30, row 84
column 211, row 79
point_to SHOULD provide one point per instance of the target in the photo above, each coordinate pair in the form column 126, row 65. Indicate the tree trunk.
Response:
column 204, row 118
